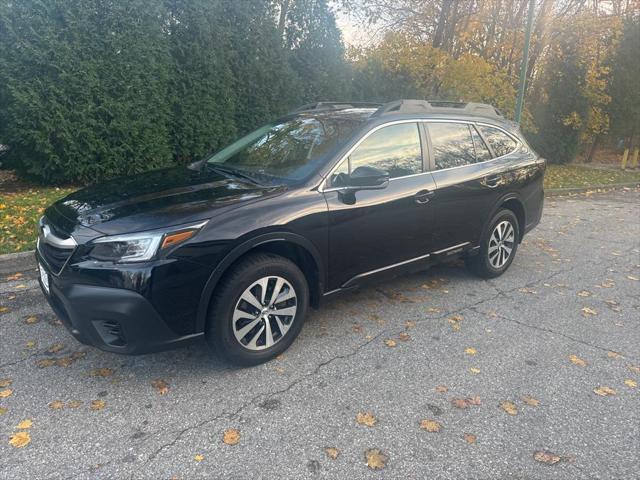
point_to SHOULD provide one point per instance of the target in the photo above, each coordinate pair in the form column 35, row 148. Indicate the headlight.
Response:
column 140, row 247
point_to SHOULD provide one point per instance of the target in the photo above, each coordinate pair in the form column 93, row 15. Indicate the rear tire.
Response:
column 257, row 310
column 498, row 246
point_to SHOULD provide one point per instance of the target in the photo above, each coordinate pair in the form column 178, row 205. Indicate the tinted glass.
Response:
column 482, row 151
column 395, row 149
column 452, row 145
column 500, row 142
column 291, row 150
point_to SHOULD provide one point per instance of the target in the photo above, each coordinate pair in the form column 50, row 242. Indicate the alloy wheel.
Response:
column 501, row 244
column 264, row 313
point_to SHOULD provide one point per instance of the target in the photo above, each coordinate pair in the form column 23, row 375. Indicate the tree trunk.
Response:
column 594, row 148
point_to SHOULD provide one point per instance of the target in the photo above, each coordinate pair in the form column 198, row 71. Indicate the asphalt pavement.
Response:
column 436, row 375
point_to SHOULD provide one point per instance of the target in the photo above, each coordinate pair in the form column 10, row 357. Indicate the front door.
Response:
column 376, row 229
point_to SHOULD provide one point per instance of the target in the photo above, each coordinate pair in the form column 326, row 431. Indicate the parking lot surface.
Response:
column 436, row 375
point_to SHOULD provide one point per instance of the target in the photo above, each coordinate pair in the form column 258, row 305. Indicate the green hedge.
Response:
column 92, row 89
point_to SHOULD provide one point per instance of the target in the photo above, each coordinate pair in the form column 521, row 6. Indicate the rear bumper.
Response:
column 112, row 319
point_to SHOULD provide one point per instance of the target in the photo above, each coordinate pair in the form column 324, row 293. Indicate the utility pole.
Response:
column 525, row 62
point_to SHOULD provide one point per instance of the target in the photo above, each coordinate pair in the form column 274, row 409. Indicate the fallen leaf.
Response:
column 3, row 410
column 279, row 369
column 546, row 457
column 430, row 425
column 56, row 405
column 584, row 293
column 45, row 362
column 633, row 368
column 613, row 355
column 5, row 393
column 404, row 337
column 433, row 310
column 15, row 276
column 367, row 419
column 356, row 328
column 5, row 382
column 531, row 401
column 101, row 372
column 459, row 403
column 604, row 391
column 30, row 344
column 332, row 452
column 231, row 436
column 56, row 347
column 64, row 361
column 24, row 424
column 474, row 400
column 509, row 407
column 470, row 438
column 630, row 383
column 30, row 320
column 470, row 351
column 390, row 343
column 4, row 309
column 20, row 439
column 441, row 389
column 161, row 386
column 409, row 324
column 474, row 370
column 631, row 277
column 74, row 404
column 577, row 361
column 97, row 404
column 198, row 457
column 587, row 312
column 376, row 460
column 280, row 357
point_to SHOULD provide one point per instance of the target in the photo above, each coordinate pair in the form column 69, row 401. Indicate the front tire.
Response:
column 258, row 309
column 498, row 246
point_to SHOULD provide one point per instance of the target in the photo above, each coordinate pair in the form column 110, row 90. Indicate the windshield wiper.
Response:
column 235, row 173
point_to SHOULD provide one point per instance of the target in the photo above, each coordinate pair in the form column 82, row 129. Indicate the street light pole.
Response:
column 525, row 62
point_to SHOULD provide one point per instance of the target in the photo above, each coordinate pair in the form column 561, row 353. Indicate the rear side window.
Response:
column 452, row 144
column 500, row 142
column 482, row 151
column 395, row 149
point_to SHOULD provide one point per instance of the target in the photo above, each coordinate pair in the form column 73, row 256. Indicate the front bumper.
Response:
column 112, row 319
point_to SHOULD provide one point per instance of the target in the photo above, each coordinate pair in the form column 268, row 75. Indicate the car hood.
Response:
column 156, row 199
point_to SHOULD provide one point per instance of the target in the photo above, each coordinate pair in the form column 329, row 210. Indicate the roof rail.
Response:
column 334, row 106
column 438, row 106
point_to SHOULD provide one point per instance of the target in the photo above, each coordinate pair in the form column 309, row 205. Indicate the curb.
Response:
column 12, row 256
column 554, row 192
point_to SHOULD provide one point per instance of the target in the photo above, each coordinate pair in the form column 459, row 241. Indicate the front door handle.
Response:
column 492, row 181
column 423, row 196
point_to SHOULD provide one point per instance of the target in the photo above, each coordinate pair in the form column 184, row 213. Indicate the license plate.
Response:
column 44, row 278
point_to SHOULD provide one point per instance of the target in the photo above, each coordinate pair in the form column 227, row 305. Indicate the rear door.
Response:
column 375, row 229
column 469, row 181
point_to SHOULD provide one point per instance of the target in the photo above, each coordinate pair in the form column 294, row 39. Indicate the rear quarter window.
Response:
column 500, row 142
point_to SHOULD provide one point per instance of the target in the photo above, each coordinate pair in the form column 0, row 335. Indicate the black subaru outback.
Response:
column 237, row 246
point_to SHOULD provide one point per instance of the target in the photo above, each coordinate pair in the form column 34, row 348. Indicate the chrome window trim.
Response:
column 322, row 188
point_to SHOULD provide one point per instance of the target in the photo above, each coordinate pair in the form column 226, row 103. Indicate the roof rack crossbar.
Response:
column 334, row 106
column 438, row 106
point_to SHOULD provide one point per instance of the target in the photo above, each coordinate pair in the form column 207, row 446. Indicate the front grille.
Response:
column 54, row 246
column 54, row 256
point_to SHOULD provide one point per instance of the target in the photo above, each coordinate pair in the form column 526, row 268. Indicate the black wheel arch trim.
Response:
column 241, row 249
column 498, row 205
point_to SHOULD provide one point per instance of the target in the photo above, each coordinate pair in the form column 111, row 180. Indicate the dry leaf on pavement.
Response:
column 404, row 337
column 470, row 351
column 577, row 360
column 5, row 382
column 587, row 312
column 367, row 419
column 546, row 457
column 630, row 383
column 531, row 401
column 20, row 439
column 31, row 319
column 231, row 436
column 55, row 348
column 584, row 293
column 613, row 355
column 474, row 370
column 97, row 404
column 5, row 393
column 376, row 460
column 24, row 424
column 470, row 438
column 430, row 425
column 56, row 405
column 161, row 386
column 3, row 410
column 509, row 407
column 198, row 457
column 604, row 391
column 102, row 372
column 390, row 343
column 441, row 389
column 332, row 452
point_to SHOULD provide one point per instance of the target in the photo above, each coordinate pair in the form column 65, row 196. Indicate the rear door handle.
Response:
column 423, row 196
column 492, row 181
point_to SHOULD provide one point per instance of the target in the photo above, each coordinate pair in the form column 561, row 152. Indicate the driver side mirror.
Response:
column 363, row 178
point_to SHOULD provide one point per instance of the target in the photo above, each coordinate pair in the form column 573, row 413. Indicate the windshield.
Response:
column 291, row 150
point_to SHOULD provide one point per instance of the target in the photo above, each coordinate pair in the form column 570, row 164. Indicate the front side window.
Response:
column 395, row 149
column 452, row 144
column 500, row 142
column 287, row 151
